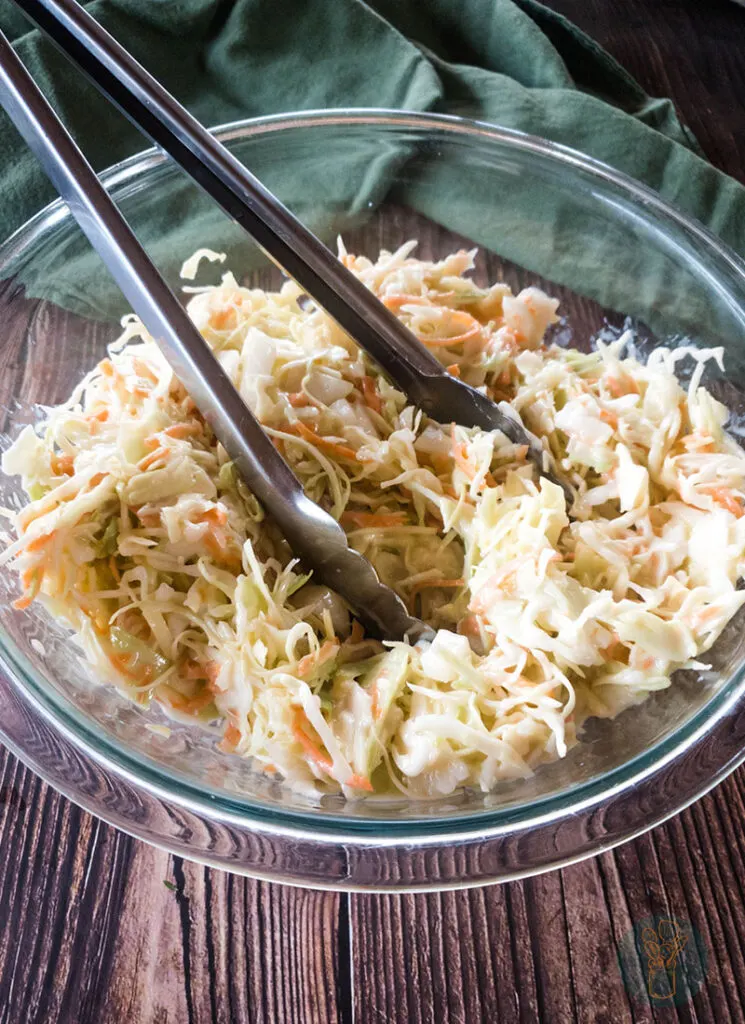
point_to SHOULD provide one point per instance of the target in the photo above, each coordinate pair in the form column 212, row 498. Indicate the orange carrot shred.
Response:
column 371, row 394
column 38, row 542
column 310, row 435
column 231, row 738
column 142, row 369
column 153, row 457
column 182, row 430
column 313, row 750
column 471, row 325
column 724, row 497
column 298, row 400
column 360, row 782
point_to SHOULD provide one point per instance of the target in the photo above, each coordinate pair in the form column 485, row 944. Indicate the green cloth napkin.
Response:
column 512, row 62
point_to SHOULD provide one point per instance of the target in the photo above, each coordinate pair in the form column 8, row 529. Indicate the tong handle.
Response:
column 238, row 192
column 312, row 533
column 275, row 228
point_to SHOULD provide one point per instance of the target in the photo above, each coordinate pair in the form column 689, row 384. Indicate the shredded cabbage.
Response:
column 142, row 537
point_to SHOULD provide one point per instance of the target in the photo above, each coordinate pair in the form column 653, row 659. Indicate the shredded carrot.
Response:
column 469, row 626
column 99, row 416
column 453, row 370
column 212, row 671
column 153, row 457
column 107, row 368
column 39, row 542
column 216, row 515
column 215, row 543
column 223, row 319
column 609, row 417
column 395, row 302
column 121, row 662
column 360, row 782
column 699, row 443
column 62, row 464
column 458, row 449
column 364, row 520
column 310, row 661
column 724, row 496
column 461, row 459
column 231, row 738
column 181, row 430
column 358, row 632
column 142, row 369
column 147, row 518
column 374, row 705
column 28, row 577
column 496, row 582
column 433, row 299
column 32, row 585
column 706, row 615
column 220, row 547
column 299, row 400
column 618, row 388
column 371, row 394
column 310, row 435
column 313, row 750
column 471, row 327
column 180, row 702
column 612, row 649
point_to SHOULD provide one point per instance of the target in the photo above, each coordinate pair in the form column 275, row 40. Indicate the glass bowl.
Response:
column 612, row 251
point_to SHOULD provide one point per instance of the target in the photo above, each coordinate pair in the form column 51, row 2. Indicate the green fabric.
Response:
column 512, row 62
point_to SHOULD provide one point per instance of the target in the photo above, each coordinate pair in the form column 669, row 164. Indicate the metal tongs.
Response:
column 314, row 536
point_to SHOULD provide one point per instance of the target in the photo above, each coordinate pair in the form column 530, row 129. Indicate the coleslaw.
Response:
column 140, row 536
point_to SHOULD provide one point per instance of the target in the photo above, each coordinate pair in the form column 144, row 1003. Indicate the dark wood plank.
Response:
column 688, row 50
column 98, row 928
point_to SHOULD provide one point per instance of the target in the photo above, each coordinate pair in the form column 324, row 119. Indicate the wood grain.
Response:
column 99, row 927
column 96, row 927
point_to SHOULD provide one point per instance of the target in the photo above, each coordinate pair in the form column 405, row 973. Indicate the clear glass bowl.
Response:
column 611, row 250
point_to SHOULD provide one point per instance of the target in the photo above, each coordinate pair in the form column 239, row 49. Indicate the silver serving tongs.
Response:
column 279, row 233
column 313, row 535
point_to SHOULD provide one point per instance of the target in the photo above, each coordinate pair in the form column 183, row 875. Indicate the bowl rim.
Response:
column 718, row 716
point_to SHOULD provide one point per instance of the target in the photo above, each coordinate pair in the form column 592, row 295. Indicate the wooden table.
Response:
column 96, row 927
